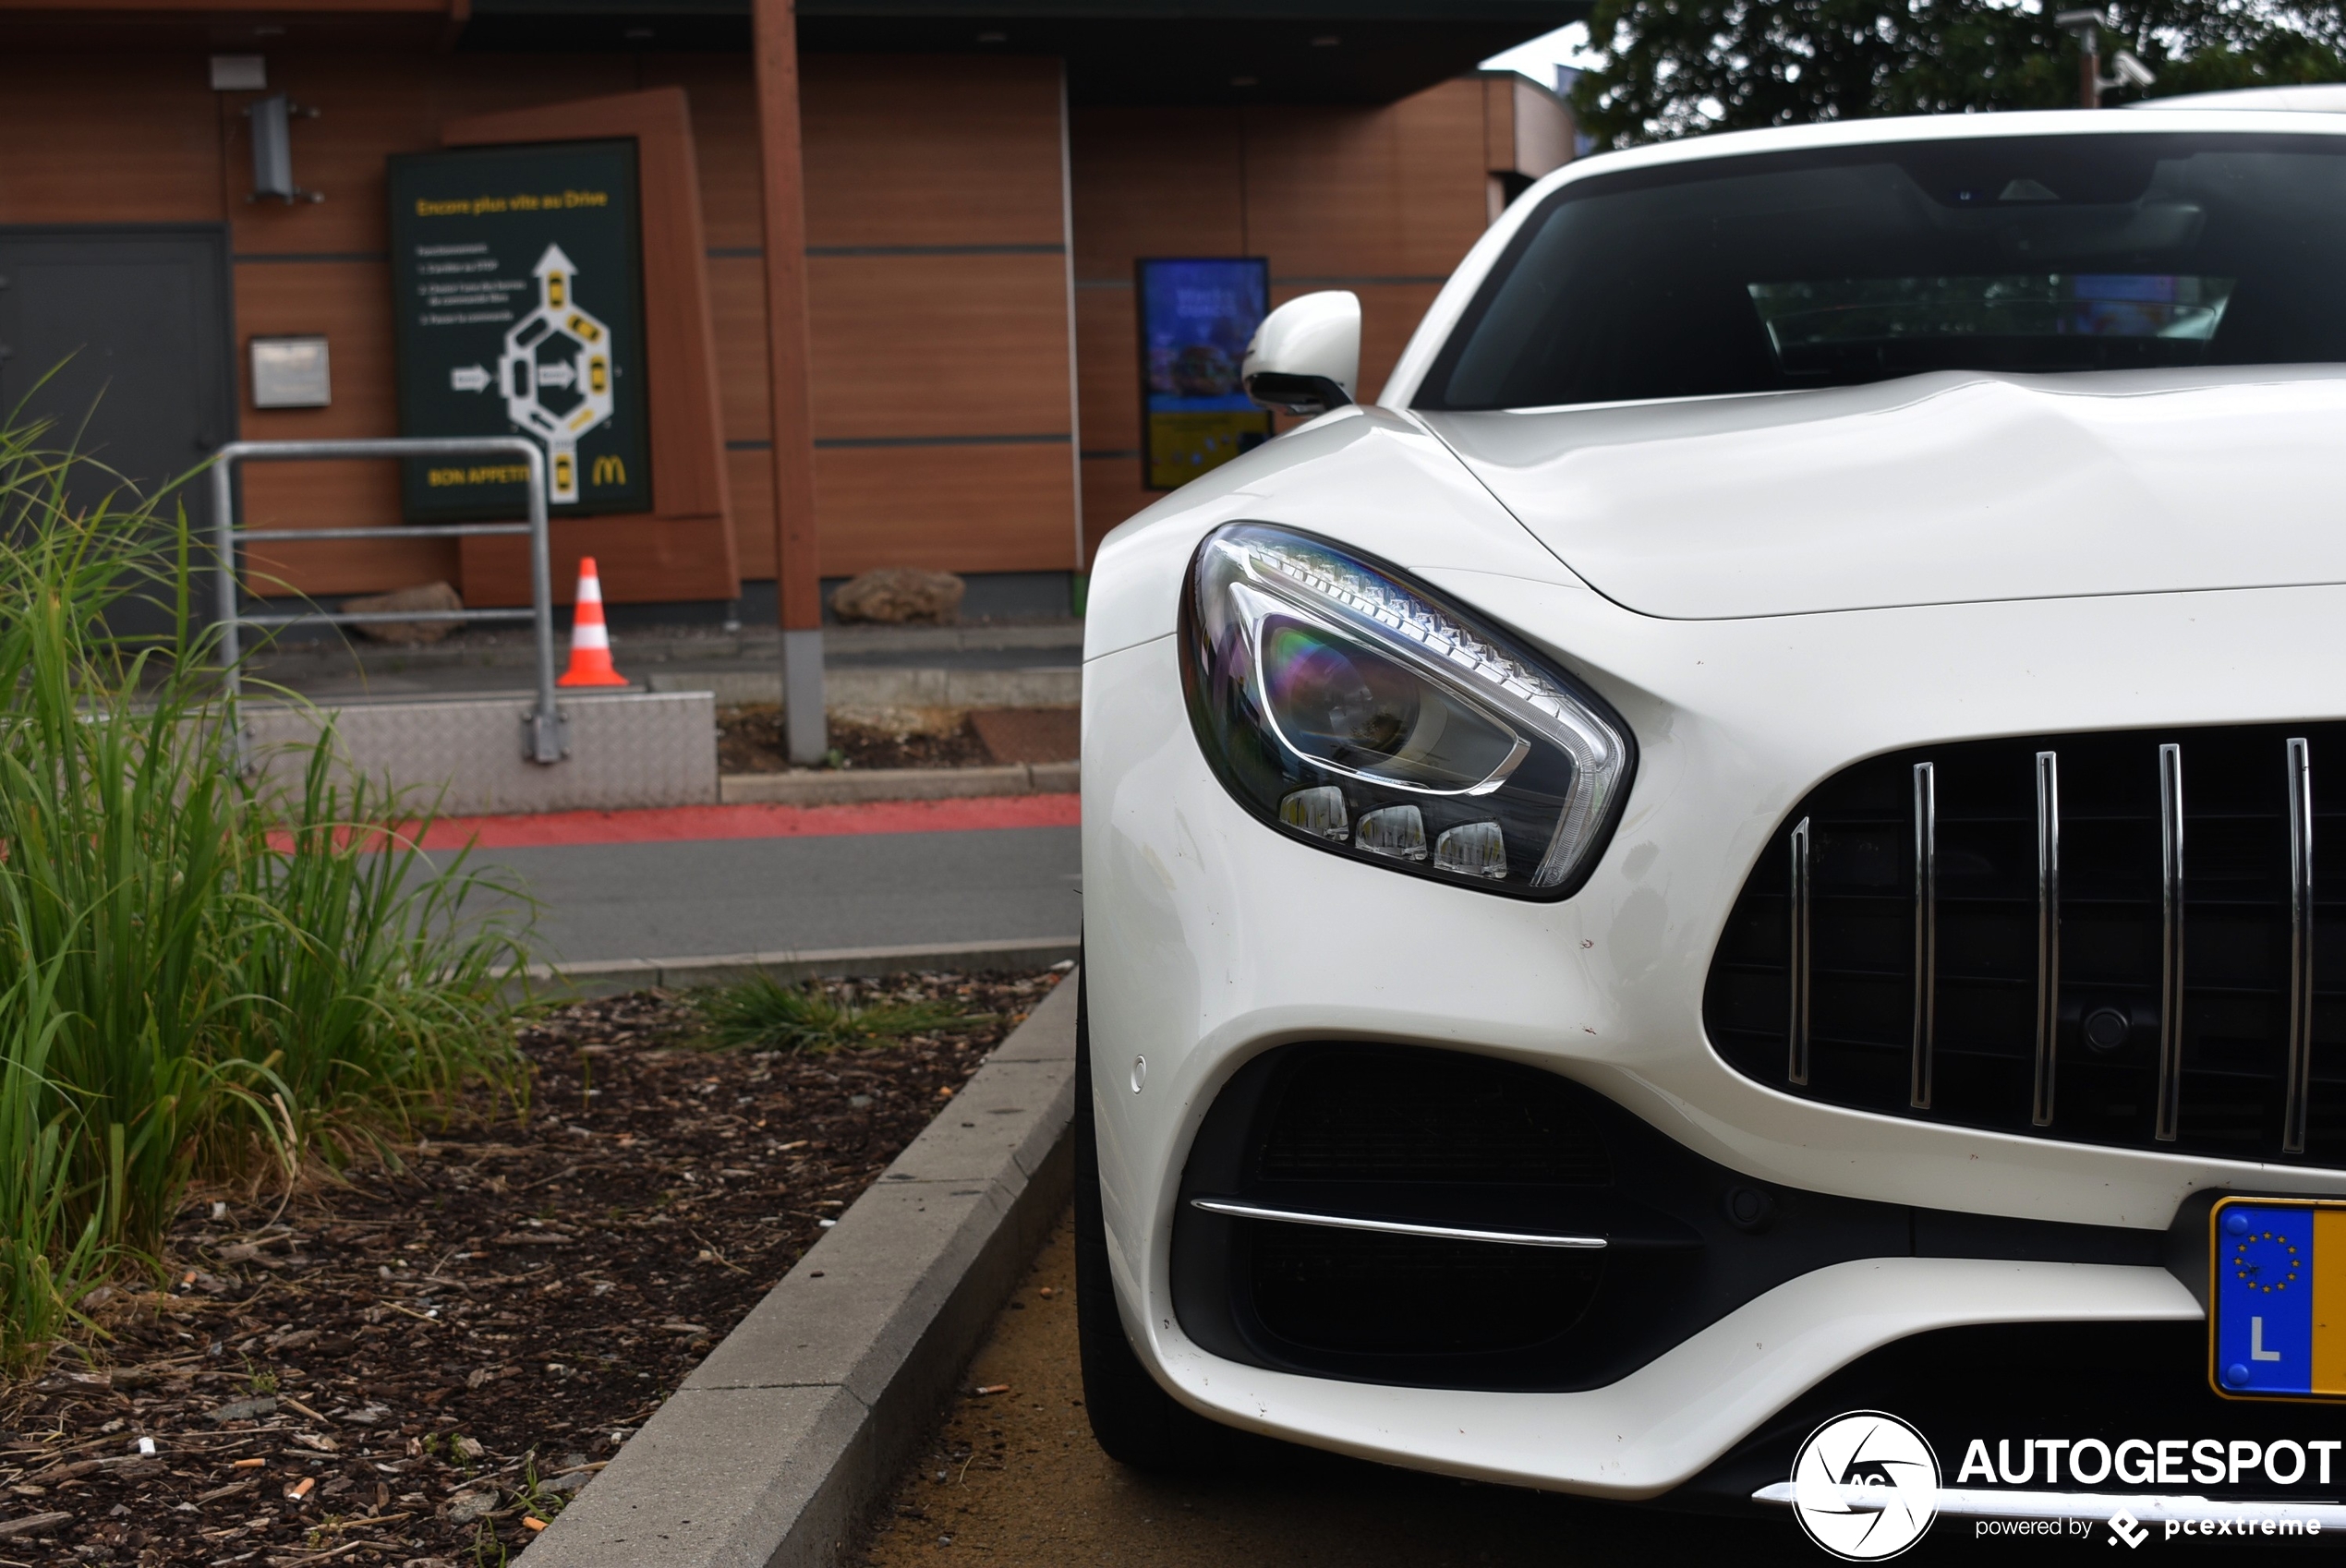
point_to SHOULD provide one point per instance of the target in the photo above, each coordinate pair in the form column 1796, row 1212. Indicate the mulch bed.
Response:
column 749, row 740
column 1029, row 734
column 408, row 1364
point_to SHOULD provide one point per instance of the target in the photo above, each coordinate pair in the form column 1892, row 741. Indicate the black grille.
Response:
column 1959, row 1027
column 1361, row 1295
column 1383, row 1114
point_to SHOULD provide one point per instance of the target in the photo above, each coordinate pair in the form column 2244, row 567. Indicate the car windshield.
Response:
column 1831, row 267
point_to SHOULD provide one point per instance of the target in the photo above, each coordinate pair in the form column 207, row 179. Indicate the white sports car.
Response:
column 1754, row 838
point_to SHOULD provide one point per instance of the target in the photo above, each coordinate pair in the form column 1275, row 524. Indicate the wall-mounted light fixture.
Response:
column 271, row 120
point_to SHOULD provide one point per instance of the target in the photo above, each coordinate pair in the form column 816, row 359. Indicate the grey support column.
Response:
column 804, row 732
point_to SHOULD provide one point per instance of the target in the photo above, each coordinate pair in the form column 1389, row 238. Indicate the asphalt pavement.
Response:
column 687, row 898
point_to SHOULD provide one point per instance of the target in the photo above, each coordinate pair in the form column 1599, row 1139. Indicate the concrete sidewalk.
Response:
column 678, row 899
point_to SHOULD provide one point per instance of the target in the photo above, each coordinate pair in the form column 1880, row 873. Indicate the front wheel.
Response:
column 1137, row 1422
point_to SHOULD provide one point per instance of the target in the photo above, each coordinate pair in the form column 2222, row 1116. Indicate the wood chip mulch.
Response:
column 1029, row 734
column 416, row 1363
column 749, row 740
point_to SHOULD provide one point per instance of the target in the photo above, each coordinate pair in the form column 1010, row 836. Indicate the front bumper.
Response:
column 1211, row 939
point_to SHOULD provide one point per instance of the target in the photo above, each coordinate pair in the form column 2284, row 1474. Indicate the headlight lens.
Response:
column 1356, row 710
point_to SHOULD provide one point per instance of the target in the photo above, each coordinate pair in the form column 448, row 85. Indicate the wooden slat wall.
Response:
column 121, row 139
column 1545, row 131
column 1381, row 201
column 938, row 280
column 938, row 286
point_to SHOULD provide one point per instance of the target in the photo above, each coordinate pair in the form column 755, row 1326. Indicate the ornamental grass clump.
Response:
column 762, row 1012
column 199, row 977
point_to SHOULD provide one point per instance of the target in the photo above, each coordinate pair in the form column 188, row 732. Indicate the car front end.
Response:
column 1861, row 885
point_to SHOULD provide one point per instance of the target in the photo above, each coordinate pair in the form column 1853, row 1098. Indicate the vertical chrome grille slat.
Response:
column 2047, row 935
column 2171, row 946
column 2298, row 1088
column 2134, row 972
column 1926, row 932
column 1797, row 1028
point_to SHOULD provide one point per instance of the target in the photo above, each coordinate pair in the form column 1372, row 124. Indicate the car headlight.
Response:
column 1357, row 711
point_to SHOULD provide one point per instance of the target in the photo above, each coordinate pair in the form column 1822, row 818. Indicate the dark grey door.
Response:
column 130, row 327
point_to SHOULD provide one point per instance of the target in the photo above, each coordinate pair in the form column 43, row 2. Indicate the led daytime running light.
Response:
column 1399, row 621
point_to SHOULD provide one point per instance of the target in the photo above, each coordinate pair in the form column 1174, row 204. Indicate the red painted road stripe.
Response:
column 675, row 823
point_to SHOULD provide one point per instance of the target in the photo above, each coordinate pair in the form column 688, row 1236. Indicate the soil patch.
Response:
column 411, row 1364
column 1030, row 735
column 749, row 740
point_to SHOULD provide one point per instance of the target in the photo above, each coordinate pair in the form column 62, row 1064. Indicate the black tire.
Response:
column 1137, row 1423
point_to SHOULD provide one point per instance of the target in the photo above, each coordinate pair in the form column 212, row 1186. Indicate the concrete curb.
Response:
column 848, row 788
column 611, row 977
column 774, row 1450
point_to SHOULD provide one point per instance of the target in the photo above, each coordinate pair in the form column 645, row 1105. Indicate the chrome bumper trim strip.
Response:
column 2143, row 1507
column 1390, row 1227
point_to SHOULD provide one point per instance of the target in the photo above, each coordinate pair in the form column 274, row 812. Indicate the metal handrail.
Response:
column 543, row 738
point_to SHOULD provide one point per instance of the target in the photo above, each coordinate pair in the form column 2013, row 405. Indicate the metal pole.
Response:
column 548, row 740
column 223, row 544
column 2089, row 68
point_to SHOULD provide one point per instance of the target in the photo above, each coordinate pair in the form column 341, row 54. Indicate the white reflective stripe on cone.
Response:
column 590, row 634
column 590, row 589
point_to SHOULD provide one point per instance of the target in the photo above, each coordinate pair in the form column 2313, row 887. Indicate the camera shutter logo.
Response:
column 1865, row 1486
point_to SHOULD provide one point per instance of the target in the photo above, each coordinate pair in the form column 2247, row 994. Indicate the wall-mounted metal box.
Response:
column 291, row 373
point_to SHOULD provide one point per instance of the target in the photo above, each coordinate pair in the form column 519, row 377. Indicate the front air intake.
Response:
column 1397, row 1214
column 2128, row 938
column 1395, row 1115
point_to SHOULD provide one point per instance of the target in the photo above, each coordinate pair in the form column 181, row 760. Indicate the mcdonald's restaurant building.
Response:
column 956, row 284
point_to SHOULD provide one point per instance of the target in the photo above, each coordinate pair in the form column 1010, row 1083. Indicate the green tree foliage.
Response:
column 1676, row 67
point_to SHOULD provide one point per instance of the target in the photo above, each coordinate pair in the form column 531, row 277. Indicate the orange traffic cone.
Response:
column 589, row 639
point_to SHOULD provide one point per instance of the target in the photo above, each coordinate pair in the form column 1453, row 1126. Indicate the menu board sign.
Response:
column 517, row 279
column 1197, row 316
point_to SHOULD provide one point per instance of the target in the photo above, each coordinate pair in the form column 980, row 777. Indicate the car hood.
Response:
column 1932, row 489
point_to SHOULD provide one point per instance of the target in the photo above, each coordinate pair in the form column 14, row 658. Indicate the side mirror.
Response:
column 1306, row 355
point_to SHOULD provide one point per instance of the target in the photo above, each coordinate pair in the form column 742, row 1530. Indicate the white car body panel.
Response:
column 1728, row 574
column 1664, row 1422
column 1773, row 504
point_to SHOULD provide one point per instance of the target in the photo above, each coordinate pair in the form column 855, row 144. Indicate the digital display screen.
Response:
column 1197, row 316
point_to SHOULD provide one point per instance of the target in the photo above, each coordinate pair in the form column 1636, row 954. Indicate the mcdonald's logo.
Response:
column 610, row 470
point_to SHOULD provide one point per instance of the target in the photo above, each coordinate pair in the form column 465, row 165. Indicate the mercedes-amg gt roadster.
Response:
column 1761, row 835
